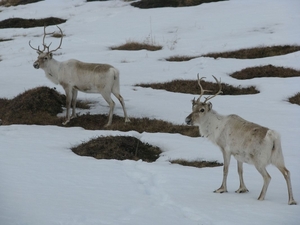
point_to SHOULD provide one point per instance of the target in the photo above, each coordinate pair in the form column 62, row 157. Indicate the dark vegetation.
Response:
column 199, row 164
column 265, row 71
column 8, row 3
column 254, row 53
column 249, row 53
column 4, row 39
column 41, row 105
column 192, row 87
column 134, row 46
column 118, row 147
column 179, row 58
column 27, row 23
column 146, row 4
column 295, row 99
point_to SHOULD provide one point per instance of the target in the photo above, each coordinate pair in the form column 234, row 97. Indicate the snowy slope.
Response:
column 43, row 182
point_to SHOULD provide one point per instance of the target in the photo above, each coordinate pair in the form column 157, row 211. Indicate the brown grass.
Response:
column 41, row 106
column 295, row 99
column 265, row 71
column 145, row 4
column 135, row 46
column 197, row 163
column 178, row 58
column 118, row 147
column 192, row 87
column 5, row 39
column 254, row 53
column 27, row 23
column 8, row 3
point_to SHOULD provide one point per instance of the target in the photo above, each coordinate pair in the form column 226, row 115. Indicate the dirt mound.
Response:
column 118, row 147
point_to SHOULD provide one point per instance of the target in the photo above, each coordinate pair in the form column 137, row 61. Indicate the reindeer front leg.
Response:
column 74, row 98
column 242, row 188
column 226, row 157
column 69, row 94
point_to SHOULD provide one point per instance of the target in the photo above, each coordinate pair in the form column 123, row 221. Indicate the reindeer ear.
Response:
column 38, row 52
column 209, row 104
column 50, row 55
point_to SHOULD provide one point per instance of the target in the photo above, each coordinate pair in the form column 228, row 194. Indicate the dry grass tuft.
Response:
column 178, row 58
column 192, row 87
column 199, row 163
column 41, row 106
column 265, row 71
column 8, row 3
column 146, row 4
column 295, row 99
column 118, row 147
column 28, row 23
column 135, row 46
column 254, row 53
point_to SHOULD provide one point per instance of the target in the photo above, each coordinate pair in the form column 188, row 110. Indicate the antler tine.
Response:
column 219, row 92
column 62, row 34
column 202, row 90
column 36, row 49
column 45, row 34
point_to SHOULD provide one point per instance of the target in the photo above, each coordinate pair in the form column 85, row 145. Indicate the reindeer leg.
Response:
column 286, row 175
column 121, row 100
column 226, row 157
column 68, row 104
column 242, row 188
column 111, row 104
column 267, row 179
column 74, row 98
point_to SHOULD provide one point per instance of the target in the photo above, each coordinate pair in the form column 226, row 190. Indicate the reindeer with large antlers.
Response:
column 74, row 76
column 247, row 142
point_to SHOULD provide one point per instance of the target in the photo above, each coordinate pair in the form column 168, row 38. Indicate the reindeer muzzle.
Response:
column 36, row 65
column 188, row 121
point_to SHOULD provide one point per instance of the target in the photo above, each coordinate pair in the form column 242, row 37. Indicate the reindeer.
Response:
column 74, row 76
column 247, row 142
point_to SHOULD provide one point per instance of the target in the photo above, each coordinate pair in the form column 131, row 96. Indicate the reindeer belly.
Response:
column 244, row 157
column 88, row 89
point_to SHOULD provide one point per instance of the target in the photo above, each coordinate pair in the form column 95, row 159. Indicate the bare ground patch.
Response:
column 197, row 163
column 41, row 105
column 135, row 46
column 192, row 87
column 258, row 52
column 249, row 53
column 295, row 99
column 8, row 3
column 146, row 4
column 28, row 23
column 265, row 71
column 118, row 147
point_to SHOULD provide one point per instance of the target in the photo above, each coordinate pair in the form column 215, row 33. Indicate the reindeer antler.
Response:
column 203, row 91
column 219, row 92
column 61, row 39
column 48, row 46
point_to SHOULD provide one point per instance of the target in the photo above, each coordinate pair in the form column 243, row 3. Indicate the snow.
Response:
column 44, row 182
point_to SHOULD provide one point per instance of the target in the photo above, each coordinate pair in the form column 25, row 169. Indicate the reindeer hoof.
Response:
column 220, row 190
column 242, row 190
column 292, row 202
column 65, row 123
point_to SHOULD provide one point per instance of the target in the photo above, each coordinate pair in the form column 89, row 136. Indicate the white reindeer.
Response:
column 247, row 142
column 75, row 76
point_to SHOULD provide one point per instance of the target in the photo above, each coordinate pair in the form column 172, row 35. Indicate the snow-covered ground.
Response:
column 42, row 182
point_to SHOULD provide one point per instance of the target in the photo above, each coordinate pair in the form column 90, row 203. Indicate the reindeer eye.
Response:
column 201, row 110
column 45, row 58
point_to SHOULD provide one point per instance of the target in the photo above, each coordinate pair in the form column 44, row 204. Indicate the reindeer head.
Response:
column 200, row 109
column 45, row 55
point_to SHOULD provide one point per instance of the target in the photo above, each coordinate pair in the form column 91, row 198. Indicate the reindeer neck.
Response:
column 52, row 70
column 212, row 125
